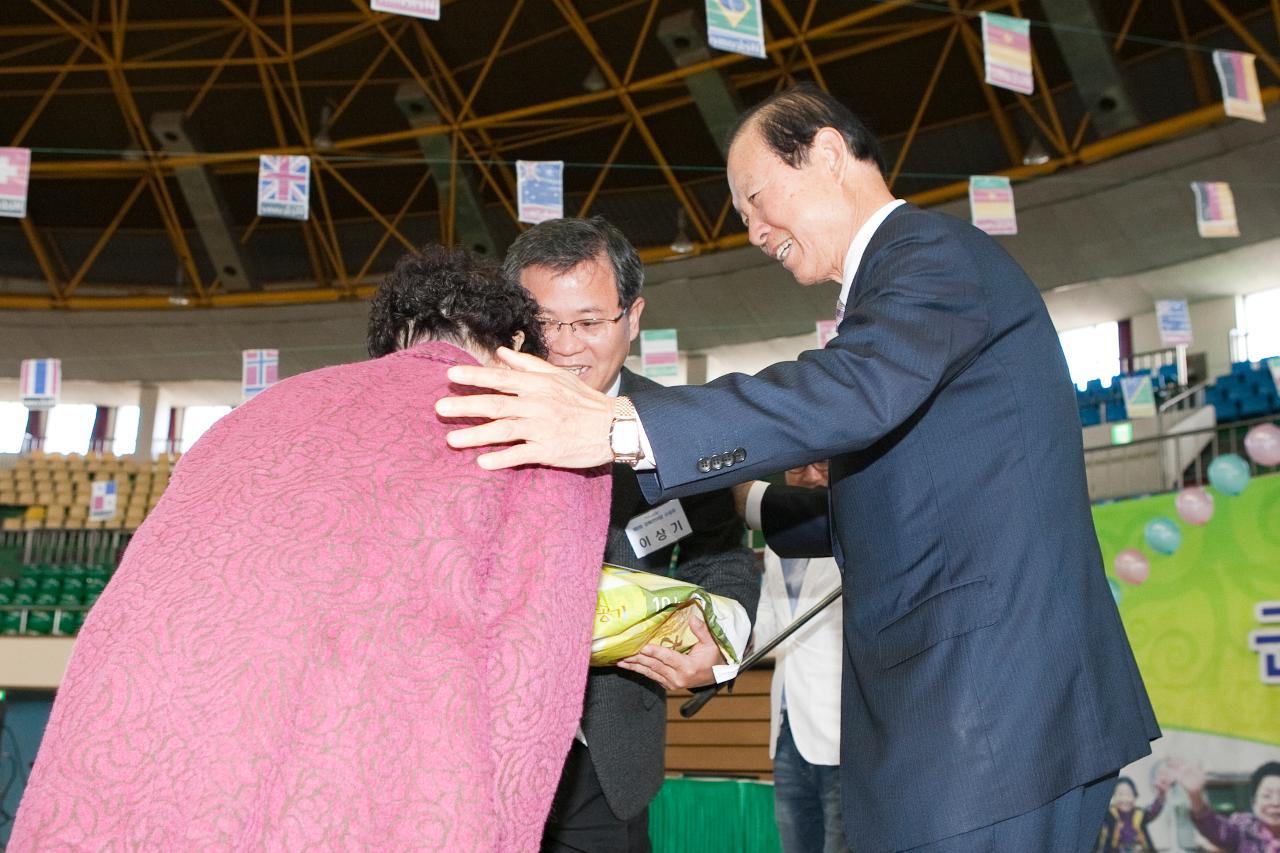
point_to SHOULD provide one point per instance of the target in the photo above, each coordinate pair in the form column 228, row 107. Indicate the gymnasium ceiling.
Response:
column 605, row 85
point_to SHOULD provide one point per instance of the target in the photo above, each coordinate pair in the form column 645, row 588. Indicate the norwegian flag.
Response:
column 15, row 174
column 1215, row 209
column 1241, row 97
column 540, row 190
column 102, row 501
column 284, row 186
column 261, row 371
column 41, row 382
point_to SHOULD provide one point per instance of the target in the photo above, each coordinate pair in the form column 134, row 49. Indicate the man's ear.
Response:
column 831, row 149
column 517, row 341
column 633, row 318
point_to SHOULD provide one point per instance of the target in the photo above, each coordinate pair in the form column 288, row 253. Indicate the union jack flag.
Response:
column 284, row 186
column 540, row 190
column 15, row 171
column 261, row 370
column 41, row 382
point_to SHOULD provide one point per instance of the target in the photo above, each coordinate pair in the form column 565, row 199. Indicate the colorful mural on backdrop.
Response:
column 1197, row 578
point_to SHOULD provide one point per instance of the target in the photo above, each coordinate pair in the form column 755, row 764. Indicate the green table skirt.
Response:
column 714, row 816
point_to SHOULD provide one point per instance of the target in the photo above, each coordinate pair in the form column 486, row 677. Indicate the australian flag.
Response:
column 540, row 189
column 261, row 370
column 284, row 186
column 41, row 382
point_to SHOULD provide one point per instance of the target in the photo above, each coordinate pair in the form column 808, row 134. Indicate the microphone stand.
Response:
column 694, row 705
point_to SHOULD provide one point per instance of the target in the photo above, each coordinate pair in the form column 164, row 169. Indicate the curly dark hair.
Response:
column 453, row 295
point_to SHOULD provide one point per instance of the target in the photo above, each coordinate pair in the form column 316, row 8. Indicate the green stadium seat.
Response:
column 69, row 599
column 51, row 585
column 24, row 599
column 95, row 585
column 45, row 599
column 12, row 619
column 8, row 584
column 68, row 622
column 6, row 595
column 28, row 584
column 73, row 586
column 39, row 622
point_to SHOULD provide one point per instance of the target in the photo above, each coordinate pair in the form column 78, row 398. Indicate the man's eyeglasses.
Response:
column 587, row 329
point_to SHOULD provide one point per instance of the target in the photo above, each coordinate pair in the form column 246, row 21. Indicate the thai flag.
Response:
column 261, row 370
column 540, row 190
column 15, row 173
column 41, row 382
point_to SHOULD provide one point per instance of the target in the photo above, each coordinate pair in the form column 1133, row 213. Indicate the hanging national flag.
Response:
column 102, row 500
column 429, row 9
column 1139, row 397
column 1215, row 209
column 284, row 186
column 261, row 371
column 41, row 382
column 659, row 354
column 540, row 190
column 1006, row 44
column 1241, row 97
column 991, row 205
column 826, row 331
column 736, row 26
column 15, row 172
column 1173, row 318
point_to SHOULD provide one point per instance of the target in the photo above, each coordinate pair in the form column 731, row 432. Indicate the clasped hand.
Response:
column 674, row 670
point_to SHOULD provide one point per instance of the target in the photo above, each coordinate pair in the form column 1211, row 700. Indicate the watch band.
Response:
column 625, row 411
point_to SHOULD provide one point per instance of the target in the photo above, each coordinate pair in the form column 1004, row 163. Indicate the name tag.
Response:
column 656, row 529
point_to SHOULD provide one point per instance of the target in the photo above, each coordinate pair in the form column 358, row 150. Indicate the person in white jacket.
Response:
column 804, row 706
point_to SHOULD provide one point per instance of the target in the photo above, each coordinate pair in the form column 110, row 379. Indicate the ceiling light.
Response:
column 1035, row 153
column 682, row 245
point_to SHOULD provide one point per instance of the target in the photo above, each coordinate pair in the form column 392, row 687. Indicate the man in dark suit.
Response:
column 587, row 279
column 989, row 695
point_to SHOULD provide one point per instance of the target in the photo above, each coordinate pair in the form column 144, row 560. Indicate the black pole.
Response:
column 694, row 705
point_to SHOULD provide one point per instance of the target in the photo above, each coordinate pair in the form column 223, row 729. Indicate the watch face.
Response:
column 626, row 437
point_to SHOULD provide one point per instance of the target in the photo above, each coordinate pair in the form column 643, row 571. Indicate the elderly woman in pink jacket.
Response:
column 335, row 631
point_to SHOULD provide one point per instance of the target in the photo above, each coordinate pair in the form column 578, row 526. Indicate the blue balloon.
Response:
column 1116, row 592
column 1229, row 474
column 1163, row 535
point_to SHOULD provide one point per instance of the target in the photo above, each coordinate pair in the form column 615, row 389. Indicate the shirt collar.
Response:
column 615, row 387
column 853, row 258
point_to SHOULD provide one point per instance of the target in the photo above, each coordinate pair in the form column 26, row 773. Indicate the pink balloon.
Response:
column 1262, row 443
column 1194, row 505
column 1131, row 566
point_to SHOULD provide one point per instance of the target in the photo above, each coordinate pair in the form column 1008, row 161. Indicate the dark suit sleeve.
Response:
column 713, row 555
column 796, row 522
column 919, row 319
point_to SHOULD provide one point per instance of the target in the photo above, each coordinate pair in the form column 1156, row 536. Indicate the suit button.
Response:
column 717, row 462
column 728, row 459
column 740, row 455
column 704, row 465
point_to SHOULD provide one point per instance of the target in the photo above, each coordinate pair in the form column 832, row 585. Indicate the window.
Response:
column 69, row 428
column 196, row 420
column 1262, row 324
column 13, row 427
column 126, row 433
column 1092, row 352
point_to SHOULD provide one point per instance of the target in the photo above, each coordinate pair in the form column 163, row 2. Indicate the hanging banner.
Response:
column 1241, row 97
column 15, row 174
column 1006, row 44
column 284, row 186
column 261, row 370
column 659, row 354
column 736, row 26
column 1139, row 396
column 1273, row 364
column 540, row 190
column 826, row 331
column 1215, row 209
column 991, row 205
column 40, row 382
column 1173, row 317
column 102, row 500
column 426, row 9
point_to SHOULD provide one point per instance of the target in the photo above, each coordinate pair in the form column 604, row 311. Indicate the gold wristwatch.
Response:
column 624, row 433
